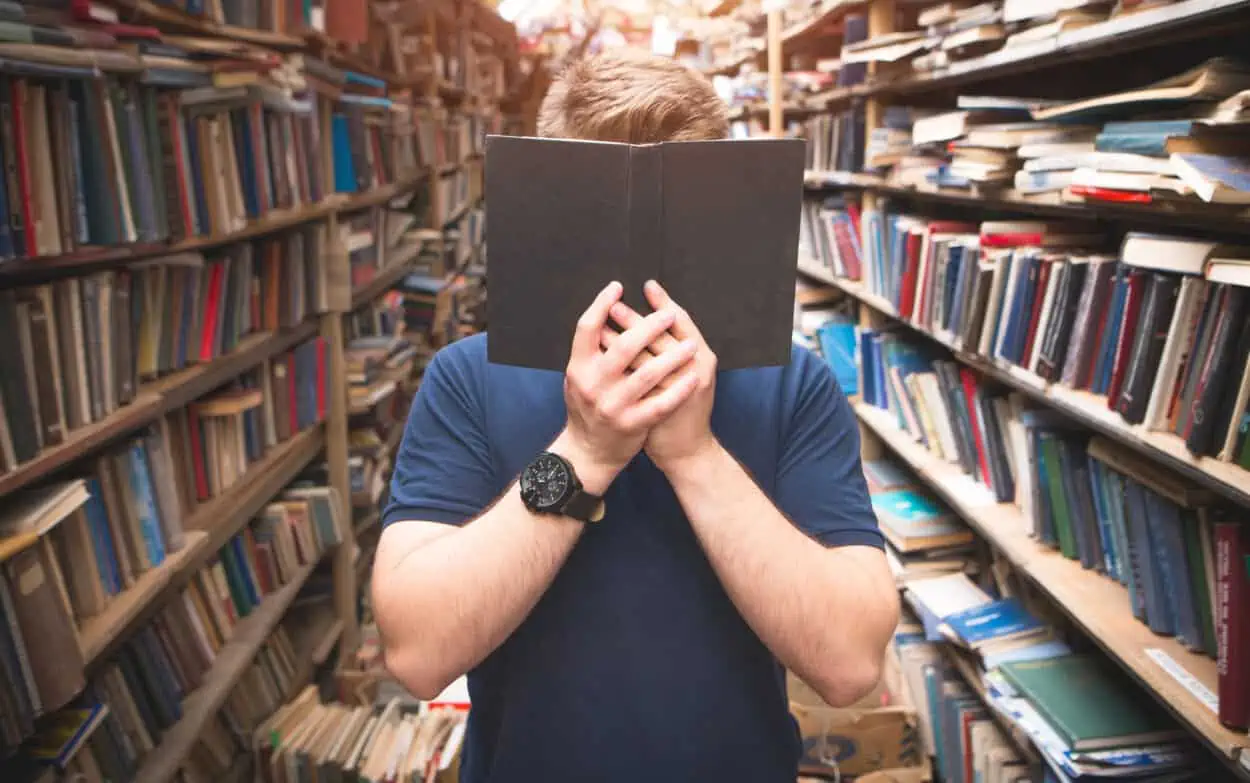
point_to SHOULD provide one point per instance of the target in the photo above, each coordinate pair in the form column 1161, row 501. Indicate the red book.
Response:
column 132, row 32
column 1113, row 196
column 1128, row 330
column 1012, row 240
column 208, row 336
column 21, row 158
column 1035, row 314
column 1232, row 623
column 978, row 438
column 907, row 288
column 169, row 109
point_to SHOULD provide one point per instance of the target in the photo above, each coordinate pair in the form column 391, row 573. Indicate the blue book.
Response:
column 102, row 539
column 997, row 620
column 837, row 343
column 914, row 521
column 241, row 125
column 145, row 504
column 1208, row 175
column 245, row 571
column 1110, row 333
column 344, row 168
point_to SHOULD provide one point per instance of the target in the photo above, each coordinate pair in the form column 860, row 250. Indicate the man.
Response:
column 734, row 530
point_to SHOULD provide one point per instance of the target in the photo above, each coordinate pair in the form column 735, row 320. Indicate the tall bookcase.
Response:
column 1124, row 51
column 380, row 124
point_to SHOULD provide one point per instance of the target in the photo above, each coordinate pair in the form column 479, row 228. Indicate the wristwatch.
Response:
column 549, row 485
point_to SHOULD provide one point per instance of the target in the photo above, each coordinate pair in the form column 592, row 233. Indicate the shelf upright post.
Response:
column 775, row 127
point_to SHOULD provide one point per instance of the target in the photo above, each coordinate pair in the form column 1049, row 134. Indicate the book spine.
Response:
column 1232, row 548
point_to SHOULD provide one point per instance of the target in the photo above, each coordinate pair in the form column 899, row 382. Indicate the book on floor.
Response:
column 715, row 222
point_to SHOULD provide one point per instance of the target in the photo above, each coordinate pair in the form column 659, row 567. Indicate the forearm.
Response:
column 825, row 613
column 444, row 603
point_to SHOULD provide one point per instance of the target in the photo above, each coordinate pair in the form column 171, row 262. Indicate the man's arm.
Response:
column 444, row 596
column 826, row 613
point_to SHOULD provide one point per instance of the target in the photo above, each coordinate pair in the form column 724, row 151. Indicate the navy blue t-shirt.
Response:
column 634, row 665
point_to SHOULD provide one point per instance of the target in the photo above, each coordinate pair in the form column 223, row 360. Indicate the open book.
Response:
column 715, row 222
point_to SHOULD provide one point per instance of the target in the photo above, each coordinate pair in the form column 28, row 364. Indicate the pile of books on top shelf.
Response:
column 1106, row 149
column 992, row 677
column 964, row 31
column 1095, row 502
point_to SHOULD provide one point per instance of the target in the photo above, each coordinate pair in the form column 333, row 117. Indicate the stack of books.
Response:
column 923, row 536
column 365, row 742
column 984, row 665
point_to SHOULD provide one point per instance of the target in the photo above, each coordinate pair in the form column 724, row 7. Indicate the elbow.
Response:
column 417, row 672
column 847, row 683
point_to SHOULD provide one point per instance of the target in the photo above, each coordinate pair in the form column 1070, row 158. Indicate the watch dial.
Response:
column 546, row 481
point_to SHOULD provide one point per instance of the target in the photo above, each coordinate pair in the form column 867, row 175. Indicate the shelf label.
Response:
column 1189, row 682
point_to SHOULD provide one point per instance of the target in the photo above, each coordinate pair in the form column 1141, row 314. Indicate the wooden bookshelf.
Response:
column 154, row 400
column 208, row 528
column 21, row 271
column 101, row 630
column 396, row 269
column 1225, row 478
column 201, row 706
column 1097, row 604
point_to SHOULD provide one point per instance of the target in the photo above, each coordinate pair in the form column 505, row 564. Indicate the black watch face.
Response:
column 545, row 482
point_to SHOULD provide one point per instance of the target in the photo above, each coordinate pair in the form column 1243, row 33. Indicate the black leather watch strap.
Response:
column 584, row 506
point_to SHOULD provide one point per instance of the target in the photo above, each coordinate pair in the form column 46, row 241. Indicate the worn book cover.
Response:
column 715, row 222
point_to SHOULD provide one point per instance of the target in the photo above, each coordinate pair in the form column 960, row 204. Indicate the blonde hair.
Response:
column 633, row 97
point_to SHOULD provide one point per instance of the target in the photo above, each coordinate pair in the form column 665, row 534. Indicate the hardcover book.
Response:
column 715, row 222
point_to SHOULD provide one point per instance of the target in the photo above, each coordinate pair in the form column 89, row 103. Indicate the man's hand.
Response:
column 688, row 431
column 611, row 409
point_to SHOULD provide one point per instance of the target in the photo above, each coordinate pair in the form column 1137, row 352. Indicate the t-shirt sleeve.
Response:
column 820, row 480
column 444, row 471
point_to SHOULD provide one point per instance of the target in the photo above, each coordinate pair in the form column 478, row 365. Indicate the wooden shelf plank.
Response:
column 98, row 631
column 202, row 705
column 1095, row 603
column 208, row 528
column 1224, row 478
column 366, row 522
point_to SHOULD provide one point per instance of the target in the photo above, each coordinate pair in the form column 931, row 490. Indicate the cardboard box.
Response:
column 879, row 734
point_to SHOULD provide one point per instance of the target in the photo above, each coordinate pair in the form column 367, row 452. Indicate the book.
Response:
column 1088, row 703
column 715, row 222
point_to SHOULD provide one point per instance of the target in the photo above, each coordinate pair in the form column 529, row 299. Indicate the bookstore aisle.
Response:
column 1024, row 253
column 230, row 236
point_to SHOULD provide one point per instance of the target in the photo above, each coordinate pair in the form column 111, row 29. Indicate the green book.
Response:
column 1088, row 703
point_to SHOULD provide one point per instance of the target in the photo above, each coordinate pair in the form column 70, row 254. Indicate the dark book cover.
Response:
column 1214, row 383
column 1152, row 336
column 715, row 222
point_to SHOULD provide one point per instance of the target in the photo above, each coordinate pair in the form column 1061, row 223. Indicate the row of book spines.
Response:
column 836, row 142
column 146, row 683
column 265, row 686
column 1078, row 504
column 84, row 344
column 1165, row 553
column 1166, row 352
column 129, row 525
column 107, row 162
